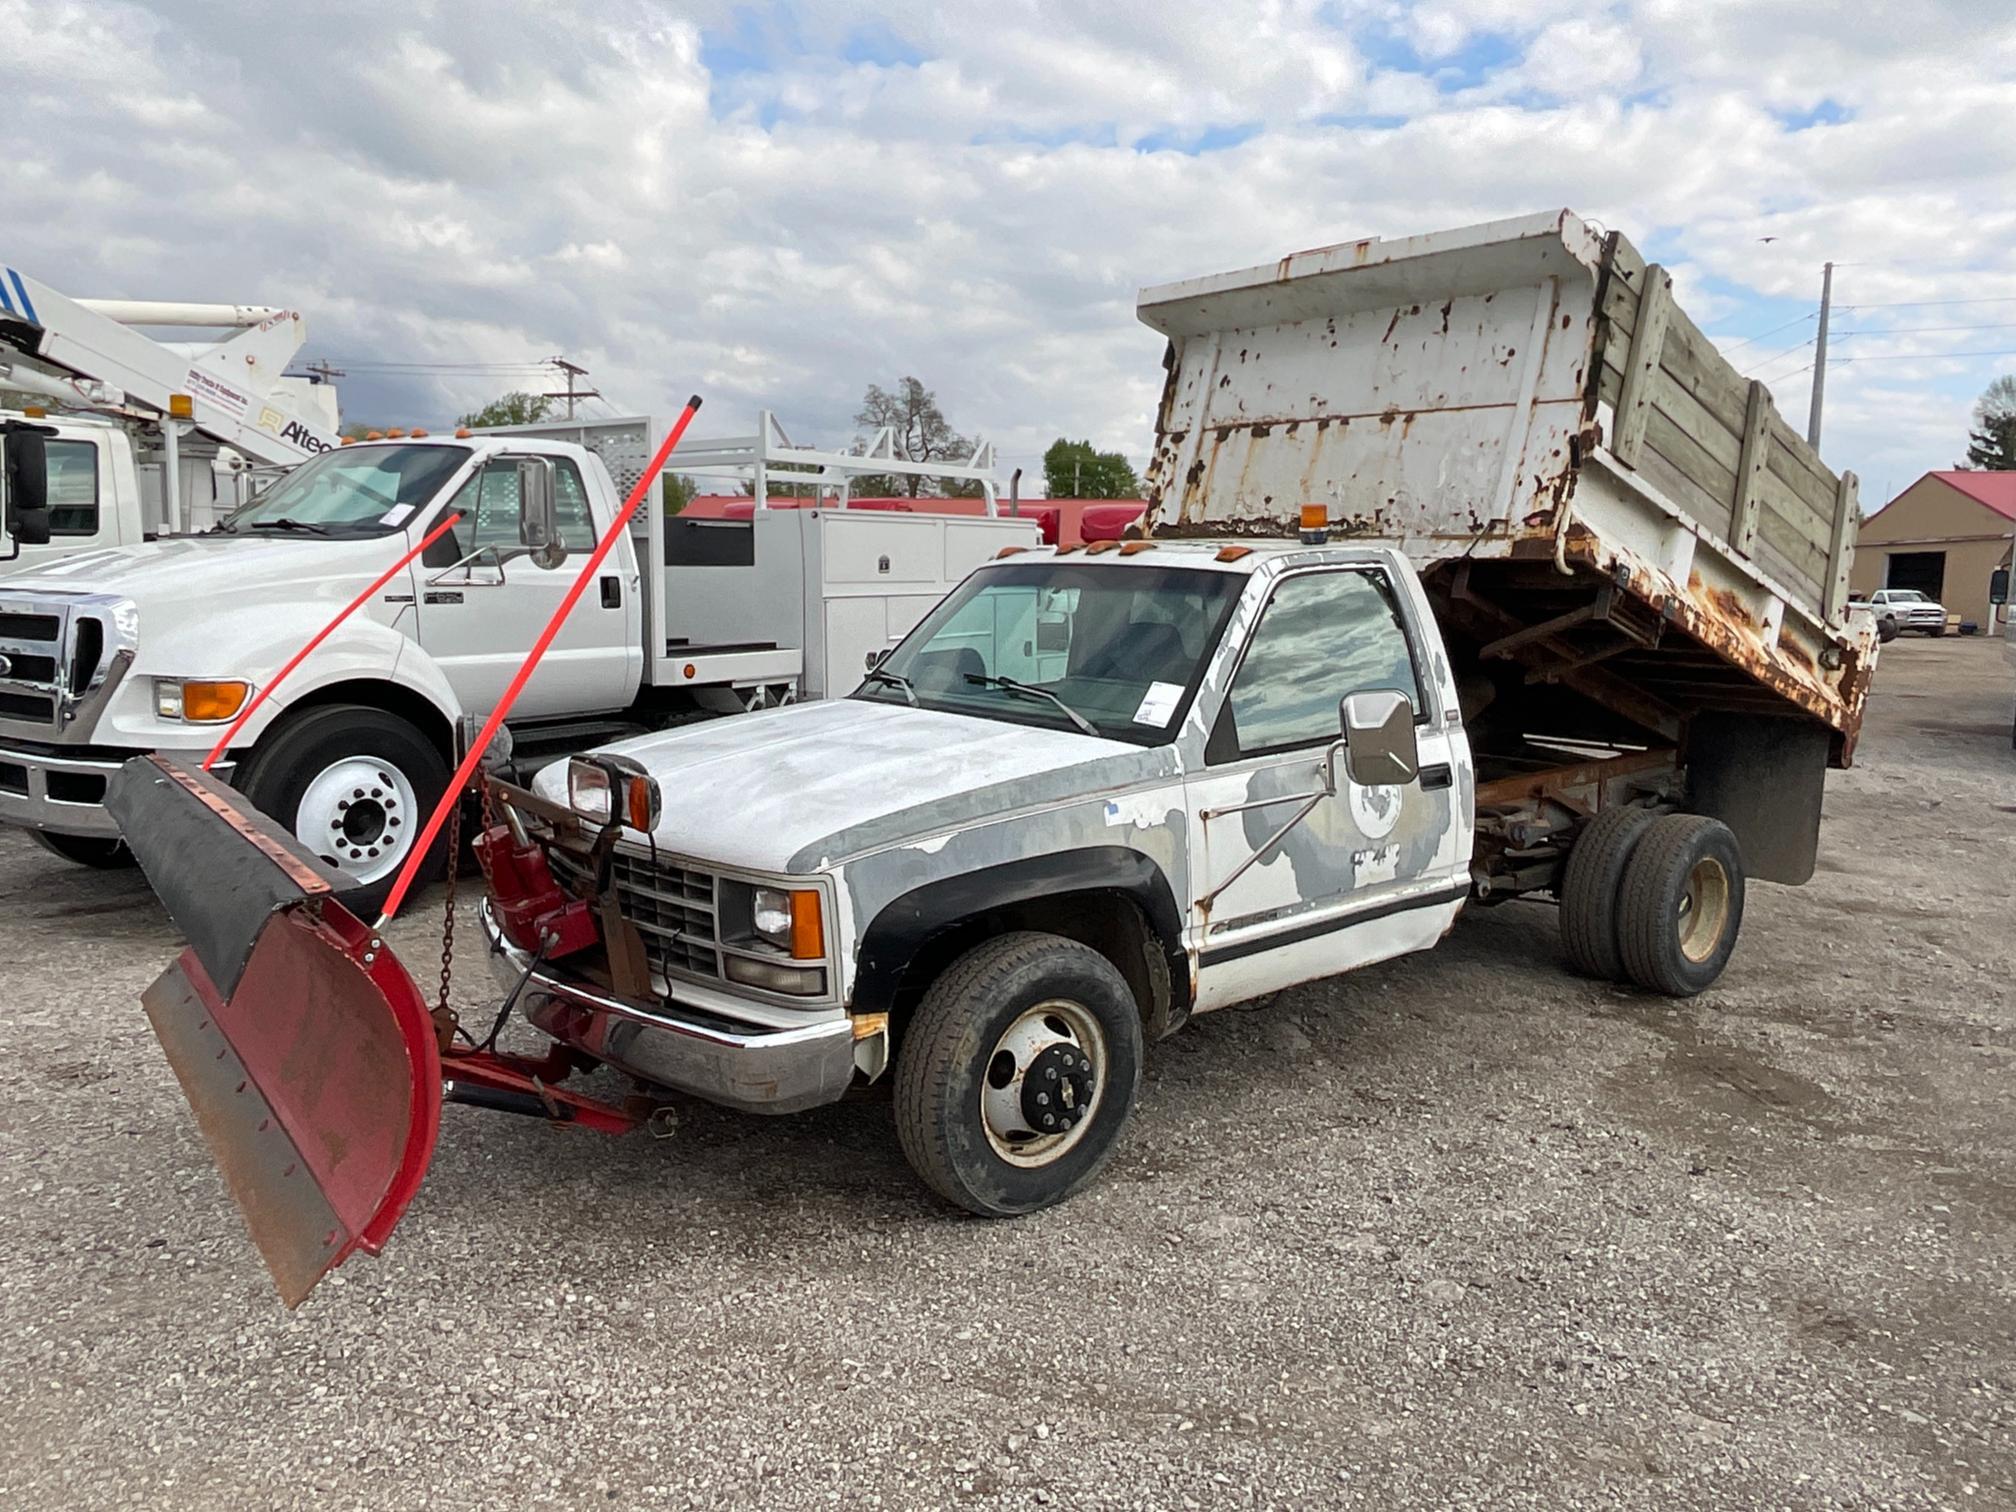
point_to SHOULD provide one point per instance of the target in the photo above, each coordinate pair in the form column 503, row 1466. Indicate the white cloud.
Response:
column 783, row 205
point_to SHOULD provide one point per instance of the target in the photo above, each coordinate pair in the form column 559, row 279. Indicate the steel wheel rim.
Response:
column 1704, row 909
column 359, row 815
column 1057, row 1036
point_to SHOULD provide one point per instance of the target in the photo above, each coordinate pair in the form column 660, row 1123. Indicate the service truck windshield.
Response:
column 1111, row 651
column 368, row 490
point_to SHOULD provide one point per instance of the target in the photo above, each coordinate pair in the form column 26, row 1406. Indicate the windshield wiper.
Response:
column 1009, row 685
column 287, row 524
column 899, row 683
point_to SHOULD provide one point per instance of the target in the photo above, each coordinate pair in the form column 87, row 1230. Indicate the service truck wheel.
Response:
column 355, row 785
column 1682, row 904
column 1017, row 1073
column 1590, row 885
column 100, row 851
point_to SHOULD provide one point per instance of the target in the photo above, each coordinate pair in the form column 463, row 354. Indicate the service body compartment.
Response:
column 828, row 586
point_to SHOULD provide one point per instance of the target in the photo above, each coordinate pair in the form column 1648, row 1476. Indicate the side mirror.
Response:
column 538, row 516
column 875, row 659
column 1380, row 748
column 1998, row 586
column 24, row 487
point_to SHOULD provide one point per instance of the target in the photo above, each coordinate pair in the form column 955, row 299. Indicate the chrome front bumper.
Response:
column 32, row 783
column 758, row 1070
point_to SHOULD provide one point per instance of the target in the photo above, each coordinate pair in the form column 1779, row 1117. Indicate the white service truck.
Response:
column 159, row 646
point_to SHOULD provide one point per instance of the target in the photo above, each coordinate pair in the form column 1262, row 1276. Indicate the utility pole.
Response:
column 322, row 372
column 1820, row 357
column 574, row 370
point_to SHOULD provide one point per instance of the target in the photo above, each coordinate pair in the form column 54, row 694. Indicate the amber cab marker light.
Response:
column 1233, row 553
column 807, row 938
column 463, row 433
column 1315, row 524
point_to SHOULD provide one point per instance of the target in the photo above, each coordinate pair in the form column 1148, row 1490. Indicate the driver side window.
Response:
column 1322, row 636
column 489, row 506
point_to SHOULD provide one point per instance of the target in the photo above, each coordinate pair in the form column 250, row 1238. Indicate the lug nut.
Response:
column 1042, row 1099
column 1049, row 1121
column 1050, row 1073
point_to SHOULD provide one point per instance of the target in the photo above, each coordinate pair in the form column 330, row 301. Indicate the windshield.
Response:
column 1906, row 596
column 364, row 490
column 1065, row 646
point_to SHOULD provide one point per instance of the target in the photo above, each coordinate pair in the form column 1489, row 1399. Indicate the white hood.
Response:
column 797, row 788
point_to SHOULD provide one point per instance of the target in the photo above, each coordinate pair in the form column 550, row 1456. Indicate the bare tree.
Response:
column 921, row 431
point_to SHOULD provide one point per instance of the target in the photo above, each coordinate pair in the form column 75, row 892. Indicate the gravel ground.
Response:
column 1459, row 1230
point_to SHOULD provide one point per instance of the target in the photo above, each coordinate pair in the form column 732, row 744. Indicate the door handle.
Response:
column 612, row 592
column 1433, row 777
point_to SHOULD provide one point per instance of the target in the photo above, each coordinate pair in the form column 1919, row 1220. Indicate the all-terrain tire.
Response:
column 1682, row 904
column 100, row 852
column 292, row 757
column 957, row 1032
column 1590, row 884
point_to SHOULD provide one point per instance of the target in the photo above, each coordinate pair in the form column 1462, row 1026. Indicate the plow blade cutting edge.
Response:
column 303, row 1046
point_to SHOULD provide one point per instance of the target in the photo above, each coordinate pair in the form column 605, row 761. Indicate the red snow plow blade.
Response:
column 304, row 1048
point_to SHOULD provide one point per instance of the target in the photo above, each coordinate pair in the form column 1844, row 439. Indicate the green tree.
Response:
column 1074, row 470
column 1991, row 444
column 514, row 408
column 676, row 492
column 922, row 434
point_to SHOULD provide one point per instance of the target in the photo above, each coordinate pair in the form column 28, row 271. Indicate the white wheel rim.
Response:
column 359, row 815
column 1036, row 1072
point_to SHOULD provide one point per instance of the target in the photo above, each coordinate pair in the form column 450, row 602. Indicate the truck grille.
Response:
column 671, row 905
column 29, row 627
column 31, row 652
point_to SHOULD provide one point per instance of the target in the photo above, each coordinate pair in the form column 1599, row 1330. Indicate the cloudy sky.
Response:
column 777, row 204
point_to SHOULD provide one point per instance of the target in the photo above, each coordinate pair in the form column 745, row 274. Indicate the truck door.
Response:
column 480, row 614
column 1297, row 871
column 83, row 512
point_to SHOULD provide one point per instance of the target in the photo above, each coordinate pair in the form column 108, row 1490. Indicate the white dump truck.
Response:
column 1473, row 573
column 159, row 646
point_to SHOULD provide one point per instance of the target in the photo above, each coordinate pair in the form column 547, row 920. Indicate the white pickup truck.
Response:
column 1474, row 573
column 159, row 645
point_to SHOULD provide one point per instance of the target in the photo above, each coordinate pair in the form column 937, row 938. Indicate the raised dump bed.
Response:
column 1626, row 544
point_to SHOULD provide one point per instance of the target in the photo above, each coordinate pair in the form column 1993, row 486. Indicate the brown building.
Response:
column 1944, row 535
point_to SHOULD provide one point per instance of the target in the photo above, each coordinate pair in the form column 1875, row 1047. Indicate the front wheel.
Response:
column 1886, row 630
column 355, row 785
column 97, row 851
column 1018, row 1073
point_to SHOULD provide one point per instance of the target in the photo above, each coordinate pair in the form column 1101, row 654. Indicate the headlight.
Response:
column 195, row 701
column 588, row 788
column 602, row 787
column 784, row 919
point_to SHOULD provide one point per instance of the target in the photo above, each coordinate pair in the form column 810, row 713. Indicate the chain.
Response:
column 444, row 1012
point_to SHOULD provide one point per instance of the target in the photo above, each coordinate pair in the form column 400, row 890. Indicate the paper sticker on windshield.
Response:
column 398, row 514
column 1158, row 703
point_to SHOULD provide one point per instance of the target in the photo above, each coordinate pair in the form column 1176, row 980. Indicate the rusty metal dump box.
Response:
column 1592, row 492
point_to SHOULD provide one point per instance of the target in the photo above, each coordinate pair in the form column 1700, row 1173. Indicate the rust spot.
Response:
column 1389, row 414
column 1406, row 424
column 1260, row 431
column 1446, row 308
column 1389, row 327
column 1566, row 320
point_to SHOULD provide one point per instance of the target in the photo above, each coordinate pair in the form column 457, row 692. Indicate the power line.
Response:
column 1762, row 362
column 2005, row 325
column 1919, row 304
column 1896, row 357
column 1809, row 315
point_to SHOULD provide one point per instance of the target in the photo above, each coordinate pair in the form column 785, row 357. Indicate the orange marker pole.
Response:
column 224, row 743
column 460, row 782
